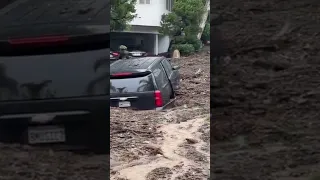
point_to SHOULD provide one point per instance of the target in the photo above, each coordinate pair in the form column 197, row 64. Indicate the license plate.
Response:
column 46, row 134
column 124, row 104
column 136, row 54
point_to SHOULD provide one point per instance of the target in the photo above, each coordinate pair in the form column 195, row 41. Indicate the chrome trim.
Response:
column 124, row 98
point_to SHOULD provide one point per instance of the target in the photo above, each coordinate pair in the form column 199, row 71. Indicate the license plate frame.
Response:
column 136, row 54
column 46, row 134
column 124, row 104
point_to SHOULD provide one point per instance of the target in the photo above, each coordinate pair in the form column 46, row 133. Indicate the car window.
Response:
column 160, row 76
column 167, row 66
column 127, row 85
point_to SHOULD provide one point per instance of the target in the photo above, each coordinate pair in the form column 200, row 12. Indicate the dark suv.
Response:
column 53, row 75
column 143, row 83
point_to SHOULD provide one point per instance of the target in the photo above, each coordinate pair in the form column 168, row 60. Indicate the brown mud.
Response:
column 265, row 113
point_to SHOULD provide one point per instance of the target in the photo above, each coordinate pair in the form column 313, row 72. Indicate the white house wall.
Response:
column 163, row 42
column 145, row 26
column 143, row 29
column 150, row 14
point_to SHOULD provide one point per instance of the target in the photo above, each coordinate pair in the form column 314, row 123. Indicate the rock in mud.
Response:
column 161, row 173
column 191, row 141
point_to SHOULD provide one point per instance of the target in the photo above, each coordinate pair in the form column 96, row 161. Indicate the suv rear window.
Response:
column 129, row 85
column 46, row 54
column 69, row 73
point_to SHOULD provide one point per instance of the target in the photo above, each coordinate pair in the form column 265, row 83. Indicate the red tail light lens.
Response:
column 115, row 54
column 38, row 40
column 158, row 98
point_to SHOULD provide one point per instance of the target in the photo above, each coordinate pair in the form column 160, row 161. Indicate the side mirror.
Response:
column 176, row 67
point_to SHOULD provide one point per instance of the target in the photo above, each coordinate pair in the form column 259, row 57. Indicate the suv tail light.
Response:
column 158, row 98
column 115, row 54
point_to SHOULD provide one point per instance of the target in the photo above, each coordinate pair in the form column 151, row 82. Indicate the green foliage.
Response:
column 185, row 16
column 185, row 49
column 196, row 43
column 179, row 40
column 206, row 33
column 193, row 40
column 122, row 12
column 170, row 24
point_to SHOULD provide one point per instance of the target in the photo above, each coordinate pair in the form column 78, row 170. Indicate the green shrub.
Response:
column 206, row 33
column 185, row 49
column 196, row 43
column 179, row 40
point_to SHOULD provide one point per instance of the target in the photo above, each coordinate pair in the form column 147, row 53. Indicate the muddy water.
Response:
column 174, row 155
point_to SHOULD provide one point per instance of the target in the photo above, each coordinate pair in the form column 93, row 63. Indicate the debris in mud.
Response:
column 191, row 141
column 154, row 149
column 272, row 65
column 194, row 155
column 25, row 162
column 182, row 114
column 205, row 132
column 192, row 173
column 127, row 131
column 173, row 156
column 194, row 94
column 161, row 173
column 197, row 73
column 122, row 179
column 261, row 113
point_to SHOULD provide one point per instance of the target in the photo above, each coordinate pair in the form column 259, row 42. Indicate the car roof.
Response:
column 142, row 64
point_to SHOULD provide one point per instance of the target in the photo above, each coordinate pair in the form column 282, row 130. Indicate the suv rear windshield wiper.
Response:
column 53, row 44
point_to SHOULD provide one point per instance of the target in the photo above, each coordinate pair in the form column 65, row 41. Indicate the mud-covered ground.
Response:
column 149, row 145
column 28, row 163
column 266, row 95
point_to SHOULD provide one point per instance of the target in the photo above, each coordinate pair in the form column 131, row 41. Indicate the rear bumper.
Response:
column 159, row 108
column 168, row 105
column 85, row 120
column 94, row 105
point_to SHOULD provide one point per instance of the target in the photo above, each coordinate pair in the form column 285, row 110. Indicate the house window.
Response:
column 169, row 5
column 144, row 1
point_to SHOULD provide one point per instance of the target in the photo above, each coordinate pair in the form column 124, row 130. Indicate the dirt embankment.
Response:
column 266, row 98
column 166, row 145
